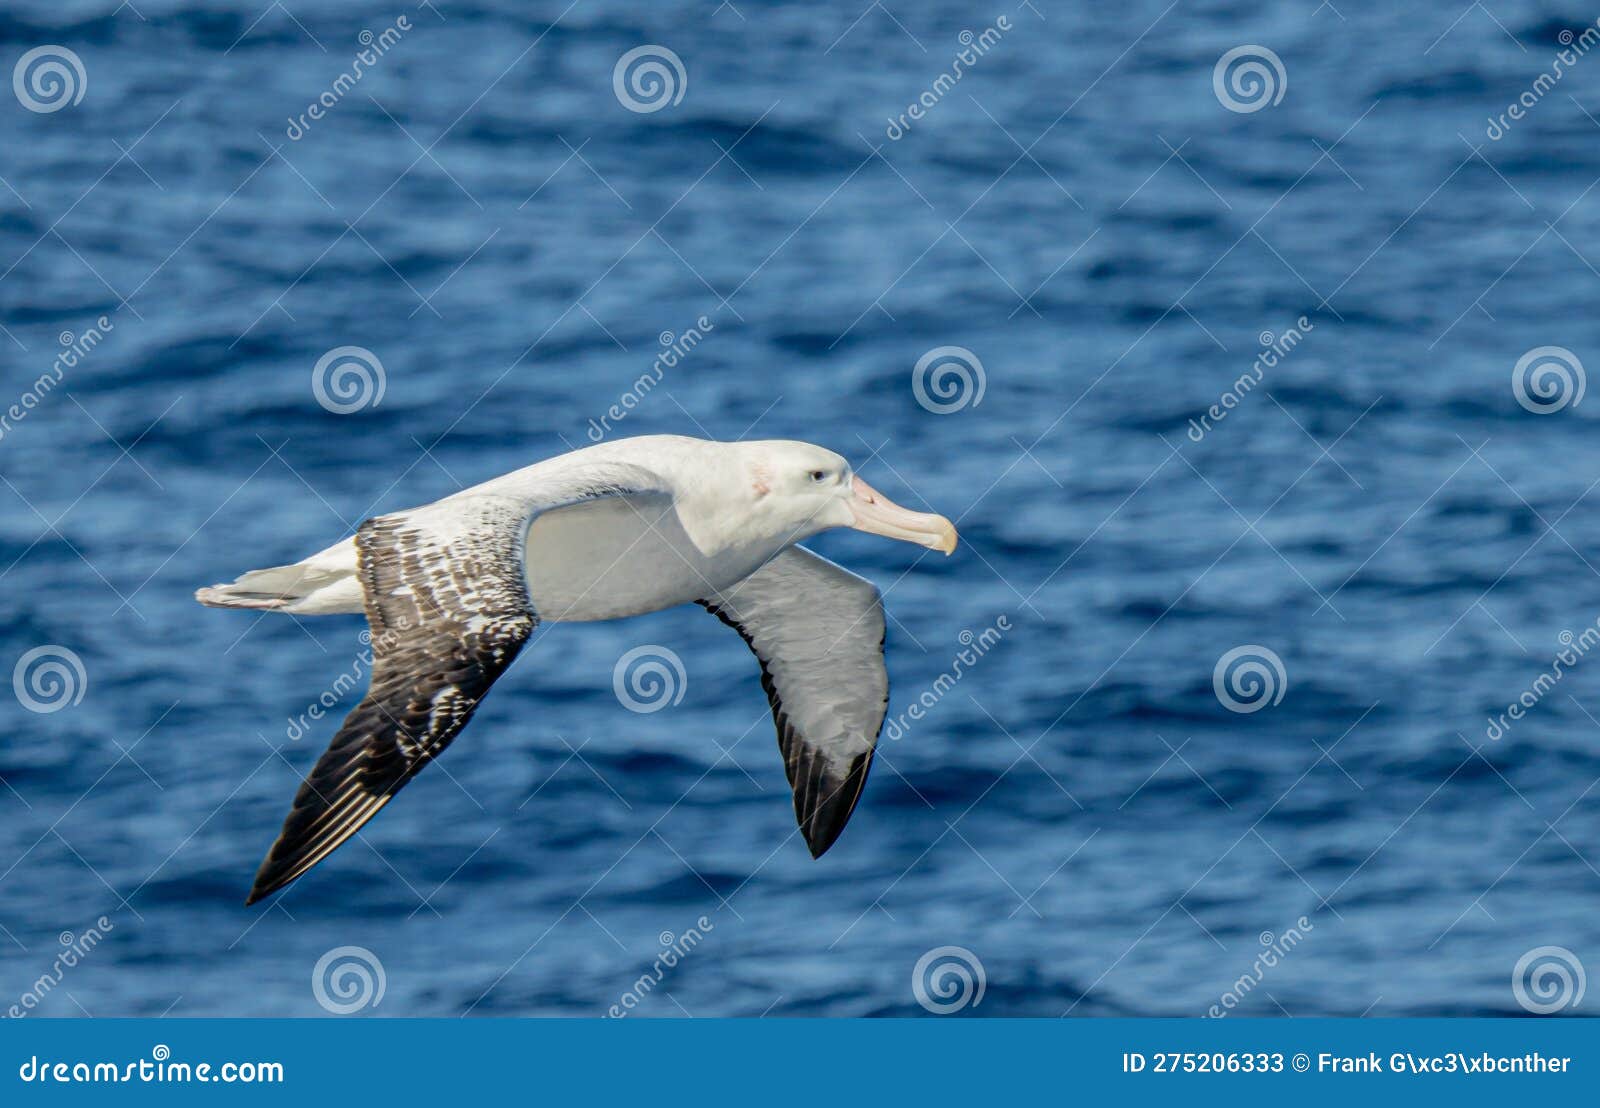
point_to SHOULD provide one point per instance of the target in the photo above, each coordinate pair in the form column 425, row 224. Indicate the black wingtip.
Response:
column 261, row 889
column 823, row 818
column 824, row 829
column 818, row 848
column 272, row 875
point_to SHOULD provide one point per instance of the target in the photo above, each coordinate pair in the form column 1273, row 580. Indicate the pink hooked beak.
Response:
column 878, row 515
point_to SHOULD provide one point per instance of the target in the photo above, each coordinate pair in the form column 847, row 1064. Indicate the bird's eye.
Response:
column 818, row 476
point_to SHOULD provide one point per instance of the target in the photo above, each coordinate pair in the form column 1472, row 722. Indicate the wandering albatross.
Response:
column 452, row 590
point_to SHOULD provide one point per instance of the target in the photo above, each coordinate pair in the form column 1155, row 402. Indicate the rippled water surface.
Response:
column 1401, row 546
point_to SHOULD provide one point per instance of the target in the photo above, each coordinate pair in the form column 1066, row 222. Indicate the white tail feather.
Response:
column 323, row 584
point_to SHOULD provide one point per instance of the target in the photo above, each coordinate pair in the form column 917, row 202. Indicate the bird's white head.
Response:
column 797, row 489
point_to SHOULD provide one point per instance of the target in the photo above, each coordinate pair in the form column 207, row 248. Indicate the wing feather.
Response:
column 817, row 630
column 448, row 610
column 443, row 627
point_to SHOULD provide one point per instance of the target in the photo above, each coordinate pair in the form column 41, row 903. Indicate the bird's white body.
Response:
column 608, row 558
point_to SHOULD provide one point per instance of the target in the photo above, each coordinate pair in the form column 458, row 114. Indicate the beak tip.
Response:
column 875, row 514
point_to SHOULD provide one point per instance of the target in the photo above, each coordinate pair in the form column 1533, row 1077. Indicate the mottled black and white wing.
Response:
column 817, row 631
column 448, row 611
column 447, row 605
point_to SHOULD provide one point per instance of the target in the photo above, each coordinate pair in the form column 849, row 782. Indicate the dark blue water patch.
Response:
column 516, row 289
column 1452, row 84
column 1547, row 32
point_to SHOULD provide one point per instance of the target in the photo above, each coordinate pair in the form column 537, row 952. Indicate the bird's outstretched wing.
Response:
column 817, row 630
column 448, row 609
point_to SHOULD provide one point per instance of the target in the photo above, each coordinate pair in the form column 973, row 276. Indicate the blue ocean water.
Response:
column 1109, row 230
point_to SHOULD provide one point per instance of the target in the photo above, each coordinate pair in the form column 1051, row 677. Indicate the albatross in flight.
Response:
column 453, row 589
